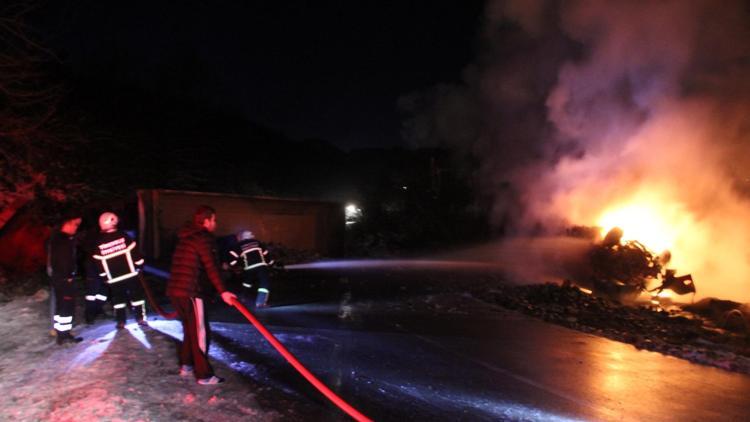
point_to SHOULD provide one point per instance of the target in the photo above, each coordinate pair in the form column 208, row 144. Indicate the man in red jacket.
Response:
column 194, row 261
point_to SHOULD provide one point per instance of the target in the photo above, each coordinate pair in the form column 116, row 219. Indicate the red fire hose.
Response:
column 338, row 401
column 152, row 301
column 333, row 397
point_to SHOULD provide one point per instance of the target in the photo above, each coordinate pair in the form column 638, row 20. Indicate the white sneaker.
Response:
column 186, row 370
column 213, row 379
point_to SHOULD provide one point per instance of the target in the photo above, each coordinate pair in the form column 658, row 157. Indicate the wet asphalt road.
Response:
column 410, row 366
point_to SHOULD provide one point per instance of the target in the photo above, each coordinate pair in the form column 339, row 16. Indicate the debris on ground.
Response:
column 698, row 337
column 724, row 314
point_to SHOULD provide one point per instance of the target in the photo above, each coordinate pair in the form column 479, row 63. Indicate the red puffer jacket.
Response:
column 193, row 261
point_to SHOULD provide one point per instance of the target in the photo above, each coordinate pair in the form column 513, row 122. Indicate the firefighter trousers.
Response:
column 65, row 291
column 96, row 297
column 256, row 276
column 128, row 292
column 195, row 335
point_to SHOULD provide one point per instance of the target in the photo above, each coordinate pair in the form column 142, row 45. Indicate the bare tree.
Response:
column 34, row 141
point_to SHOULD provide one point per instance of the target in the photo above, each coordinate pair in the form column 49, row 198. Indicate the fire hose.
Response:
column 333, row 397
column 312, row 379
column 152, row 300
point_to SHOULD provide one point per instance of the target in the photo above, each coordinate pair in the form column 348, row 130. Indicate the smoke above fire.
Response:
column 634, row 114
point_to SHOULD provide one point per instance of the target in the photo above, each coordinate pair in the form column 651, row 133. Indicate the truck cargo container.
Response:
column 310, row 225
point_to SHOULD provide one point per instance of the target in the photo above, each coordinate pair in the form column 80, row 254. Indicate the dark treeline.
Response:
column 90, row 139
column 410, row 198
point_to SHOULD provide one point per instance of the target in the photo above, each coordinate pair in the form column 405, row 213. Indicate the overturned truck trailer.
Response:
column 316, row 226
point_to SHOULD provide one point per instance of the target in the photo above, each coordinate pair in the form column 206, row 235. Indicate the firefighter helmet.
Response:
column 108, row 221
column 246, row 235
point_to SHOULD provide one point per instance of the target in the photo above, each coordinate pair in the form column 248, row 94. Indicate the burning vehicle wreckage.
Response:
column 622, row 271
column 623, row 291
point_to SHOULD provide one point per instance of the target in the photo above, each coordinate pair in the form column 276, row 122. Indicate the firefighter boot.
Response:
column 120, row 317
column 66, row 337
column 139, row 310
column 261, row 301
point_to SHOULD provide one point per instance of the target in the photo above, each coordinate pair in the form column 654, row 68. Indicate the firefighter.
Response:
column 194, row 264
column 61, row 268
column 120, row 263
column 251, row 257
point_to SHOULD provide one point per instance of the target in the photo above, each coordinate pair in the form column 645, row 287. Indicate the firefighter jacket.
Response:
column 249, row 254
column 89, row 248
column 117, row 256
column 61, row 255
column 194, row 264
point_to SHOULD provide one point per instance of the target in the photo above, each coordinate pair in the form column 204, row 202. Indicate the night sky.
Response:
column 309, row 69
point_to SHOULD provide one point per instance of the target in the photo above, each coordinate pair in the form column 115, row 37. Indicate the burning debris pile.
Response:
column 621, row 271
column 621, row 295
column 672, row 332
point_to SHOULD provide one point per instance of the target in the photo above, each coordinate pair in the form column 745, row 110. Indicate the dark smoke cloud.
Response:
column 498, row 113
column 573, row 106
column 554, row 80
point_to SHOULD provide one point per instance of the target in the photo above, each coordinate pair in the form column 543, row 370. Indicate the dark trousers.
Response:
column 256, row 278
column 96, row 296
column 52, row 304
column 65, row 291
column 126, row 293
column 195, row 335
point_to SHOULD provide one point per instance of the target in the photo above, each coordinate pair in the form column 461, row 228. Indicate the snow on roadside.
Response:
column 126, row 375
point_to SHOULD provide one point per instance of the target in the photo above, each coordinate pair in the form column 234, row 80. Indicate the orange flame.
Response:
column 668, row 187
column 646, row 224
